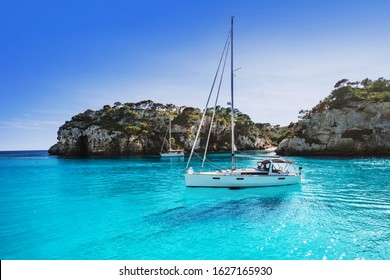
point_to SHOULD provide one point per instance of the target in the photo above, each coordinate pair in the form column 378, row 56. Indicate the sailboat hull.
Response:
column 179, row 154
column 214, row 180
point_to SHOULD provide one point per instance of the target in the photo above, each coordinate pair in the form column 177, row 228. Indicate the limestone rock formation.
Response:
column 346, row 123
column 140, row 128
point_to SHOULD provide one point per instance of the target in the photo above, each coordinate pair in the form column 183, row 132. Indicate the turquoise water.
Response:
column 139, row 208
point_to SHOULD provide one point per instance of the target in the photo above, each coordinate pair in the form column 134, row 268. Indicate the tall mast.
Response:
column 231, row 90
column 170, row 134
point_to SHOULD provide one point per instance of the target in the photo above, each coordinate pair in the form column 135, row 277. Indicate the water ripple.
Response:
column 139, row 208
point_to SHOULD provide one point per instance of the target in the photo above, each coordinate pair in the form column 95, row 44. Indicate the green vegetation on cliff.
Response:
column 276, row 133
column 353, row 120
column 346, row 91
column 148, row 117
column 128, row 128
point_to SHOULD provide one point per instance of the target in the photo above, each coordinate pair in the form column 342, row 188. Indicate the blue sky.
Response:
column 59, row 58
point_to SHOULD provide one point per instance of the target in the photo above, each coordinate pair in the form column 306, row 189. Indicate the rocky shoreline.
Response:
column 353, row 120
column 361, row 129
column 140, row 128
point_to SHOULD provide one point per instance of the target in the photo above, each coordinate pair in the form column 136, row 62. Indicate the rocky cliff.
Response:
column 140, row 128
column 353, row 120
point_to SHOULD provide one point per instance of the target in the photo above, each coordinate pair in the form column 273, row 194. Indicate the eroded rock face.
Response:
column 126, row 131
column 360, row 128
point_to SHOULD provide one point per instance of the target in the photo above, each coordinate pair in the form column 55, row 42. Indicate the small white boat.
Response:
column 170, row 152
column 270, row 171
column 173, row 153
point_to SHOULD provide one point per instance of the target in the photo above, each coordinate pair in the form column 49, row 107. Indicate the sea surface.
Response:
column 101, row 208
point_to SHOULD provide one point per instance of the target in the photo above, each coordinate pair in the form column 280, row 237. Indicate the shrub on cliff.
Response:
column 346, row 91
column 140, row 127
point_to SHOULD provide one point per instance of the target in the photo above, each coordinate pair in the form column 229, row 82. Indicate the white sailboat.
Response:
column 270, row 171
column 170, row 152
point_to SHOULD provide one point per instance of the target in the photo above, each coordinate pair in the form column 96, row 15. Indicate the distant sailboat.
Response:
column 270, row 171
column 170, row 152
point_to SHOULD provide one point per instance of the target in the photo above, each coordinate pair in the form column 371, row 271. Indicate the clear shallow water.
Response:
column 139, row 208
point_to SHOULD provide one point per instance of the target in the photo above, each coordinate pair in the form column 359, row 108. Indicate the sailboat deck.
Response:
column 243, row 172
